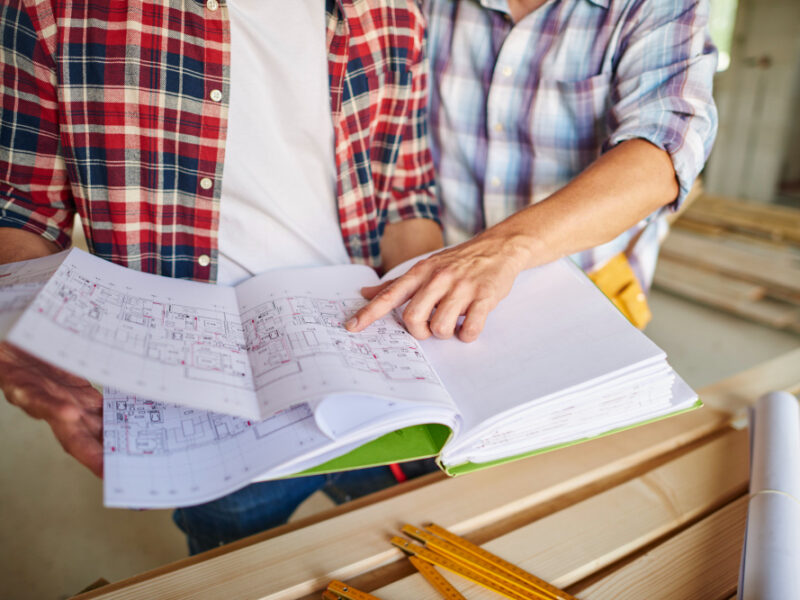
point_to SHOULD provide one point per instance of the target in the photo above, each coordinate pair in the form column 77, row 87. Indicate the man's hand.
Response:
column 69, row 404
column 466, row 280
column 618, row 190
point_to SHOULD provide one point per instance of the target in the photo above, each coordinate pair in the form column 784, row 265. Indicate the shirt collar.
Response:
column 502, row 5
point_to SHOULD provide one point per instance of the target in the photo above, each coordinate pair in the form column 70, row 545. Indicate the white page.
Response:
column 167, row 339
column 631, row 394
column 554, row 331
column 573, row 400
column 300, row 352
column 565, row 424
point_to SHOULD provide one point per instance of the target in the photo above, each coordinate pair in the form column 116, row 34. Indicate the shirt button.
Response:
column 206, row 183
column 216, row 95
column 212, row 5
column 507, row 71
column 496, row 182
column 498, row 127
column 204, row 260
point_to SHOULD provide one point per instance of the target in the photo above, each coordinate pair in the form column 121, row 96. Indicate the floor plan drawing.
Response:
column 207, row 344
column 162, row 454
column 143, row 427
column 271, row 342
column 282, row 332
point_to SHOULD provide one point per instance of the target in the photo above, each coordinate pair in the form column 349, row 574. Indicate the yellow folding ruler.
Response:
column 338, row 590
column 468, row 560
column 439, row 583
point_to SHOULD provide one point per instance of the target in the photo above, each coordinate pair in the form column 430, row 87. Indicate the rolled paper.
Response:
column 771, row 555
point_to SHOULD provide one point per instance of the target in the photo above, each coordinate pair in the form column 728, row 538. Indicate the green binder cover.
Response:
column 410, row 443
column 425, row 441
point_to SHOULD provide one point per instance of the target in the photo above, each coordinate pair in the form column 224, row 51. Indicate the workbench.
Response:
column 654, row 512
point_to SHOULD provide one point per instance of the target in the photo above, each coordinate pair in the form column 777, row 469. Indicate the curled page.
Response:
column 771, row 555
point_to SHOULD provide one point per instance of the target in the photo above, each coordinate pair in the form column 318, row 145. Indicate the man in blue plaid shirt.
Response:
column 559, row 127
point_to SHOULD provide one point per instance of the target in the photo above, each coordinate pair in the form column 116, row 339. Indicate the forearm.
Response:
column 18, row 244
column 409, row 238
column 625, row 185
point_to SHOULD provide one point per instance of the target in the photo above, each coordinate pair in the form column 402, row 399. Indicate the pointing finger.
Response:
column 390, row 297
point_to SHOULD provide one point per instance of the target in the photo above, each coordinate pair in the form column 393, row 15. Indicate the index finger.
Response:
column 387, row 299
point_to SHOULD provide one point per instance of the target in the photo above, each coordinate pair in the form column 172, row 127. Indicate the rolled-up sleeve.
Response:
column 413, row 184
column 34, row 187
column 662, row 85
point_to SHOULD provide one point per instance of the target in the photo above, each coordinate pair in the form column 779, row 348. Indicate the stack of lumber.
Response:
column 742, row 257
column 655, row 512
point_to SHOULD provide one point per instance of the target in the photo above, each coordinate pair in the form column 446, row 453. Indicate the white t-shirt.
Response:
column 278, row 205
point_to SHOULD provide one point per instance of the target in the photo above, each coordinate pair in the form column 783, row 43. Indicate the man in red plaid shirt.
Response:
column 129, row 113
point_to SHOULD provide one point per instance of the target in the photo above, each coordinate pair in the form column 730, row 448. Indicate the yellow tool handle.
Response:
column 328, row 595
column 343, row 591
column 439, row 583
column 489, row 560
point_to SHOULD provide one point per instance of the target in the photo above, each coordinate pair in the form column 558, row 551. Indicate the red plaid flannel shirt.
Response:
column 107, row 111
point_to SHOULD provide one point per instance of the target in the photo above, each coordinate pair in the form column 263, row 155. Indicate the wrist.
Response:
column 518, row 248
column 522, row 241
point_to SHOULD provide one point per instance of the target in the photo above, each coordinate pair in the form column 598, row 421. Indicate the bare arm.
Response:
column 406, row 239
column 619, row 189
column 69, row 404
column 18, row 244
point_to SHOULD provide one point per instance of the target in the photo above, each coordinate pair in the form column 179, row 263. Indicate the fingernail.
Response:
column 351, row 323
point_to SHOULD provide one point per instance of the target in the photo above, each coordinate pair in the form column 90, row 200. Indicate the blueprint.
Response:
column 299, row 349
column 274, row 341
column 160, row 455
column 206, row 343
column 162, row 338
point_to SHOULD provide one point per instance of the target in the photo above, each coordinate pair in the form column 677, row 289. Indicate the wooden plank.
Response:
column 699, row 226
column 783, row 257
column 731, row 295
column 686, row 280
column 739, row 391
column 578, row 541
column 779, row 272
column 725, row 206
column 753, row 240
column 751, row 216
column 304, row 560
column 775, row 313
column 698, row 564
column 776, row 222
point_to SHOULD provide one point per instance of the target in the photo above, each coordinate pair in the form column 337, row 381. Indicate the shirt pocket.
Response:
column 568, row 121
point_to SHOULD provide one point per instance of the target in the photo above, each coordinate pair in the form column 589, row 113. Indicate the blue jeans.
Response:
column 260, row 506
